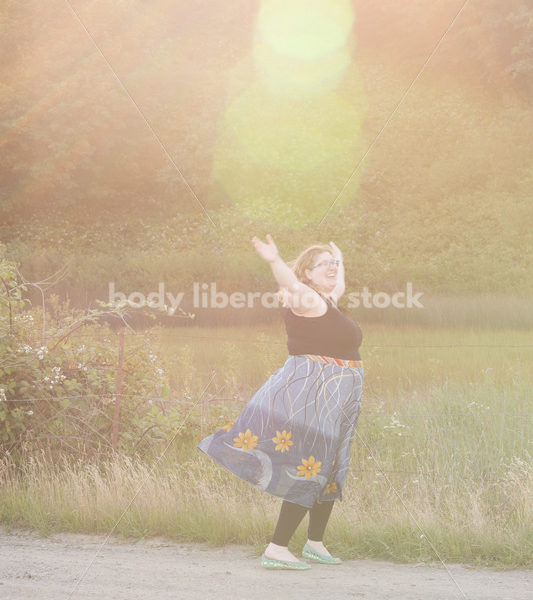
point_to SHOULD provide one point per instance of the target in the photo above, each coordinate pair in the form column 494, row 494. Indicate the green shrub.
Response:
column 59, row 367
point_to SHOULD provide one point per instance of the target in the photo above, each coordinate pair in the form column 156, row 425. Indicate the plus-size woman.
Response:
column 293, row 438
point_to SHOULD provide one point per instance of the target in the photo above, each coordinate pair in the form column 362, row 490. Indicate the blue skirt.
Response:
column 293, row 438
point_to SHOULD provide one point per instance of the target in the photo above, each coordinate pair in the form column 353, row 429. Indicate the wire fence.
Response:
column 166, row 334
column 93, row 419
column 237, row 400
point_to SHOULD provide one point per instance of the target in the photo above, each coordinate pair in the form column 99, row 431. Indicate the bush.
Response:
column 58, row 368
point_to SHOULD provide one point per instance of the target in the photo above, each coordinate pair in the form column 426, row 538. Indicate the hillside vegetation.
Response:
column 442, row 199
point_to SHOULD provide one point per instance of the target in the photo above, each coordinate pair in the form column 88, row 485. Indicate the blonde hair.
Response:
column 305, row 260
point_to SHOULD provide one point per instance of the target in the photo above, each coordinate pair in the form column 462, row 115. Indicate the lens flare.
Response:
column 284, row 161
column 294, row 77
column 288, row 144
column 305, row 29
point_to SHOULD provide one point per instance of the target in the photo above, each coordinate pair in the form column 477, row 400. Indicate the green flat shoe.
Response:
column 271, row 563
column 312, row 554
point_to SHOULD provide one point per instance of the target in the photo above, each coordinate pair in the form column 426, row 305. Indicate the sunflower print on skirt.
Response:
column 331, row 488
column 310, row 467
column 283, row 441
column 246, row 441
column 294, row 436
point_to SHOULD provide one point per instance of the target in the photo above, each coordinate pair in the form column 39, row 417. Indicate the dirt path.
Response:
column 48, row 569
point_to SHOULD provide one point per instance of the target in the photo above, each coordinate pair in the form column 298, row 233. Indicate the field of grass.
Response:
column 442, row 454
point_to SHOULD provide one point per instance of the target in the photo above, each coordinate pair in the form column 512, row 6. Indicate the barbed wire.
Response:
column 423, row 472
column 409, row 474
column 239, row 400
column 284, row 343
column 355, row 470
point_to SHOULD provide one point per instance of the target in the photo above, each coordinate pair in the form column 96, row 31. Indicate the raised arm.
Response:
column 269, row 252
column 284, row 275
column 338, row 290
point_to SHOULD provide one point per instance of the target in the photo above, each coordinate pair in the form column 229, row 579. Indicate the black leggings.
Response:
column 291, row 515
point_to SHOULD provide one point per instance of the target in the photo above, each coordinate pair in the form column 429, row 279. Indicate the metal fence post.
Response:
column 116, row 414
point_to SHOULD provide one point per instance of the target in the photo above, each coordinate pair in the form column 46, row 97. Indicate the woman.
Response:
column 293, row 438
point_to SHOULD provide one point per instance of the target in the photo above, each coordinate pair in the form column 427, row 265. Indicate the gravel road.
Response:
column 49, row 569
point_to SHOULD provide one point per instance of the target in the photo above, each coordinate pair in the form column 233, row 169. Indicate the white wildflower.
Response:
column 394, row 424
column 41, row 352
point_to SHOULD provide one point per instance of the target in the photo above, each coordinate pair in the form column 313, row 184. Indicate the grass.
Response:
column 479, row 311
column 442, row 453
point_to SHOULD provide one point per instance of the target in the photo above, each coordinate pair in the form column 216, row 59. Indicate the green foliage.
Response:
column 443, row 197
column 59, row 368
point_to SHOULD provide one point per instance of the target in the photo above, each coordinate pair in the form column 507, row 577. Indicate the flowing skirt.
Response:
column 293, row 439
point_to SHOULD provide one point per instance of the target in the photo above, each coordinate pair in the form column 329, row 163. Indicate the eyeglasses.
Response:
column 328, row 263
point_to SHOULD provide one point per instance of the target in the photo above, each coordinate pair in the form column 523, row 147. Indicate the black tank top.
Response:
column 332, row 334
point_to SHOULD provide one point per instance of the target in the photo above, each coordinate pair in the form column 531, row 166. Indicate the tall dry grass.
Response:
column 442, row 453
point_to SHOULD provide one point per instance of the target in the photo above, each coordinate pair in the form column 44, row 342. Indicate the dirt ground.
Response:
column 50, row 568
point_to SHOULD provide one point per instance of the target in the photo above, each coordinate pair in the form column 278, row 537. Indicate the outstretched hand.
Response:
column 335, row 251
column 268, row 251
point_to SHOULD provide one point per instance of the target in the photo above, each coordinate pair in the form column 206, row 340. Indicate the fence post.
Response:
column 116, row 414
